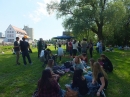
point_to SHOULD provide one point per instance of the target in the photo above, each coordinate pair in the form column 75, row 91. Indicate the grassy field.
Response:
column 21, row 81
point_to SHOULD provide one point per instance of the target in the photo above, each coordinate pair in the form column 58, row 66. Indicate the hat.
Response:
column 25, row 36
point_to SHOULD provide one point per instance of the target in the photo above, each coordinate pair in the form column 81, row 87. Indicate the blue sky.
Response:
column 31, row 13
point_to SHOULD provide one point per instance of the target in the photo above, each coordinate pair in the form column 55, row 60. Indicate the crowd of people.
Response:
column 48, row 85
column 83, row 77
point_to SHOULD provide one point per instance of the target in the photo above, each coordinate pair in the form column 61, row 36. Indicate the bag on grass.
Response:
column 60, row 72
column 71, row 93
column 67, row 64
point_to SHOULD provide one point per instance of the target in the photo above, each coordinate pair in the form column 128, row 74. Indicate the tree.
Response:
column 83, row 15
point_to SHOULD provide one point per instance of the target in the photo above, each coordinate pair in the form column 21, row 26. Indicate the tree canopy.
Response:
column 105, row 18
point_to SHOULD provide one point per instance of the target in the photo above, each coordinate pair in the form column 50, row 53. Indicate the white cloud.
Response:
column 41, row 11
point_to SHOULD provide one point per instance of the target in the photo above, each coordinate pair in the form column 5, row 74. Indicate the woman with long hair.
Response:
column 49, row 66
column 47, row 86
column 91, row 61
column 107, row 64
column 77, row 64
column 88, row 76
column 100, row 77
column 80, row 82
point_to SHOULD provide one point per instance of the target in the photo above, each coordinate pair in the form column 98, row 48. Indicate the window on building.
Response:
column 12, row 35
column 12, row 31
column 7, row 31
column 10, row 28
column 10, row 40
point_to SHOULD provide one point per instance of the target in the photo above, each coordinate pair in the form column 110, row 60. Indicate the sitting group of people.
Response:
column 48, row 85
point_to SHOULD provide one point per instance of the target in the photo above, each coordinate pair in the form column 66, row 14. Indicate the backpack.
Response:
column 68, row 64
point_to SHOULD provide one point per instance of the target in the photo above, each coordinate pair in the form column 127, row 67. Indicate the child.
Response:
column 100, row 62
column 60, row 52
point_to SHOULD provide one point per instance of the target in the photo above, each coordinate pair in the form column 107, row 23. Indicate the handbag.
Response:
column 71, row 93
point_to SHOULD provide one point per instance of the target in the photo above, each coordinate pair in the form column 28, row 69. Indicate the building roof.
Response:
column 19, row 30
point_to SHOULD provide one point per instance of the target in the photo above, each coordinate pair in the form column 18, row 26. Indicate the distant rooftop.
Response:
column 19, row 30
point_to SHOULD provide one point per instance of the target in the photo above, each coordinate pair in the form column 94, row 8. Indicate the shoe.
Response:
column 102, row 94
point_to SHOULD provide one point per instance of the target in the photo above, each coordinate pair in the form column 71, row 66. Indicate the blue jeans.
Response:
column 88, row 78
column 26, row 54
column 62, row 93
column 100, row 50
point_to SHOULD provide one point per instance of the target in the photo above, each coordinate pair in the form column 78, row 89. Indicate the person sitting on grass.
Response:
column 60, row 52
column 100, row 62
column 84, row 59
column 47, row 85
column 80, row 82
column 107, row 64
column 49, row 66
column 77, row 64
column 88, row 76
column 100, row 77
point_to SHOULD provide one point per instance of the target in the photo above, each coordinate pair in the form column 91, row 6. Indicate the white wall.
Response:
column 10, row 34
column 1, row 40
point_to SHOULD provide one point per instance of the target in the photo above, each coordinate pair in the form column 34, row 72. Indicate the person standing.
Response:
column 79, row 47
column 97, row 48
column 40, row 46
column 84, row 46
column 100, row 47
column 17, row 50
column 60, row 52
column 75, row 47
column 91, row 48
column 24, row 45
column 70, row 47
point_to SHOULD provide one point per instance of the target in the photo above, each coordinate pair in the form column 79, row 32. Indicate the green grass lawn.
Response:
column 21, row 81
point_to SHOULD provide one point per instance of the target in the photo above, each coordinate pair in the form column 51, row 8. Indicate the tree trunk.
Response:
column 99, row 33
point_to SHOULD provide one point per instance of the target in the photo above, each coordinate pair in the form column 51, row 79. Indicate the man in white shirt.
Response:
column 97, row 48
column 60, row 52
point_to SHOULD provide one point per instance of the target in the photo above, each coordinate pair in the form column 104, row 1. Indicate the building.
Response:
column 12, row 32
column 1, row 34
column 29, row 32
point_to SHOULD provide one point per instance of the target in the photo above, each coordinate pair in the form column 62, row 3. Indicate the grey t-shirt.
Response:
column 78, row 66
column 84, row 45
